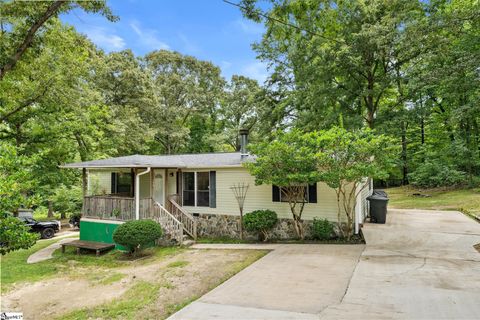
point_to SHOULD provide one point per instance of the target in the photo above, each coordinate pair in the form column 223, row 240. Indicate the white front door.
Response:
column 158, row 186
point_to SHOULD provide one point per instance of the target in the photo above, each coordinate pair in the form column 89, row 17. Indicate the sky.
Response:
column 210, row 30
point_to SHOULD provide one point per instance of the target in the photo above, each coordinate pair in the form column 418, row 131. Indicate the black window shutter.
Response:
column 179, row 182
column 213, row 189
column 275, row 193
column 312, row 193
column 114, row 183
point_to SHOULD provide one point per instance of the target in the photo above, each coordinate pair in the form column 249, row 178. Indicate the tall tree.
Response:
column 183, row 87
column 340, row 57
column 22, row 25
column 243, row 107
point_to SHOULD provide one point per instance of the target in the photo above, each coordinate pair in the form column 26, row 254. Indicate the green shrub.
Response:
column 14, row 234
column 67, row 200
column 433, row 173
column 322, row 229
column 260, row 221
column 136, row 235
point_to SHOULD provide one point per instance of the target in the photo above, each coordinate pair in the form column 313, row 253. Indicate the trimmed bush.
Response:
column 260, row 221
column 136, row 235
column 322, row 229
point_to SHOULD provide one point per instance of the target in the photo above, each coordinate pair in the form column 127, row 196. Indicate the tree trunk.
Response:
column 404, row 153
column 339, row 213
column 50, row 209
column 422, row 128
column 298, row 224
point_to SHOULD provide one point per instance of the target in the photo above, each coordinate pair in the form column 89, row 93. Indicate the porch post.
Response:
column 84, row 182
column 84, row 187
column 165, row 188
column 137, row 193
column 152, row 177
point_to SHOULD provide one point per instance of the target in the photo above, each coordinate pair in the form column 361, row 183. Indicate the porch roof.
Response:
column 198, row 160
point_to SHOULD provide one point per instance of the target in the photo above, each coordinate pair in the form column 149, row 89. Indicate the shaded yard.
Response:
column 82, row 287
column 465, row 200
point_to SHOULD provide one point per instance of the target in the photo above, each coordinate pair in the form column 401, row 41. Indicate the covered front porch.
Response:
column 122, row 194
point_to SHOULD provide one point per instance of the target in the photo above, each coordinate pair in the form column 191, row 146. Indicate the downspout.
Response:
column 358, row 207
column 137, row 193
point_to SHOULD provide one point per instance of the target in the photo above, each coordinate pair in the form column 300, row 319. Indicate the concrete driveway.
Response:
column 420, row 265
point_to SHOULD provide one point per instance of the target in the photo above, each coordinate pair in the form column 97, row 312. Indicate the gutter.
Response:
column 137, row 192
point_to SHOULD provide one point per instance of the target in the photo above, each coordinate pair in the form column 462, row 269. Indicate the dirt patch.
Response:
column 44, row 299
column 180, row 278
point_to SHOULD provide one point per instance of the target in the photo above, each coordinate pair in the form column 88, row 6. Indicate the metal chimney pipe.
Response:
column 243, row 142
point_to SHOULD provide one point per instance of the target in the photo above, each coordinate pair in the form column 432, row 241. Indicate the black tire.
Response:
column 48, row 233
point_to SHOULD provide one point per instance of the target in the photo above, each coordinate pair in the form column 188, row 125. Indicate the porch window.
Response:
column 122, row 183
column 196, row 189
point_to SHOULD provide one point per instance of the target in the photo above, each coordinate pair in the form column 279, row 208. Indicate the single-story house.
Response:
column 192, row 193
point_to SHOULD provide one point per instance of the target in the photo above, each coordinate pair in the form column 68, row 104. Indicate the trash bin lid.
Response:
column 380, row 192
column 377, row 197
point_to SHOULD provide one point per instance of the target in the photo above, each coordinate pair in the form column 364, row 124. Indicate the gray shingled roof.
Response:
column 199, row 160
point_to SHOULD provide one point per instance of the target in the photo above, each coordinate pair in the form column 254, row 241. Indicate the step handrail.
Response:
column 188, row 221
column 168, row 221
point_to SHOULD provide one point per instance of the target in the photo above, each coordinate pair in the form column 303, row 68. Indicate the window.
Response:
column 196, row 189
column 283, row 195
column 310, row 195
column 203, row 190
column 189, row 188
column 122, row 183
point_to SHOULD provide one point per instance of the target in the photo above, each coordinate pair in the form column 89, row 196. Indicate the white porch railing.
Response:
column 188, row 221
column 173, row 222
column 172, row 227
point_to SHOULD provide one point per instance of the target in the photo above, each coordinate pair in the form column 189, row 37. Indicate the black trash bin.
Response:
column 378, row 206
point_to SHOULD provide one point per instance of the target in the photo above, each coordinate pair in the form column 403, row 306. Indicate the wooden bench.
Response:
column 89, row 245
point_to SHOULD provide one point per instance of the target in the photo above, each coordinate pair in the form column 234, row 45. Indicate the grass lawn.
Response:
column 15, row 270
column 465, row 200
column 112, row 286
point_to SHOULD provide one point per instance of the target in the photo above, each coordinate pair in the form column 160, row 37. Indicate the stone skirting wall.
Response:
column 215, row 226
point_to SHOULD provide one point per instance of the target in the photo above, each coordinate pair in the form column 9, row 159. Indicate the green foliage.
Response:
column 433, row 173
column 136, row 235
column 260, row 221
column 346, row 158
column 15, row 235
column 15, row 180
column 67, row 200
column 288, row 161
column 322, row 229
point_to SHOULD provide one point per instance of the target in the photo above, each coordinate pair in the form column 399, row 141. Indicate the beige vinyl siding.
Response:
column 260, row 197
column 172, row 182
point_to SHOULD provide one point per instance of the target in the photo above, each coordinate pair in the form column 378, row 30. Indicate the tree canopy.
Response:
column 407, row 68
